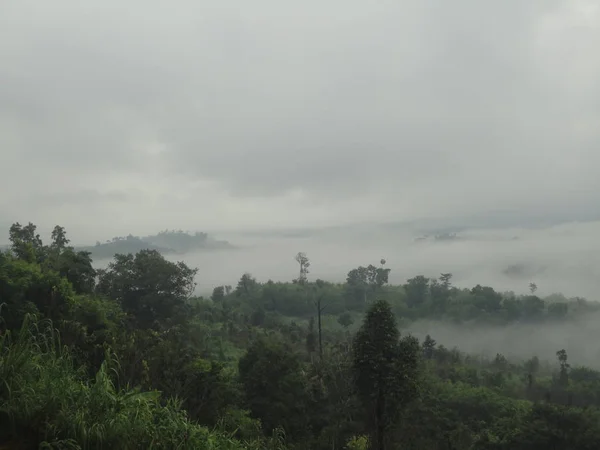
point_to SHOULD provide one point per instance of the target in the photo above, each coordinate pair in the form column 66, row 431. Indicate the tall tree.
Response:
column 364, row 283
column 318, row 301
column 445, row 279
column 304, row 264
column 417, row 290
column 59, row 238
column 429, row 347
column 271, row 376
column 246, row 285
column 563, row 377
column 385, row 370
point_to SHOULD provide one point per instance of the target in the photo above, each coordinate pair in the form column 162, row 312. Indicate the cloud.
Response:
column 213, row 115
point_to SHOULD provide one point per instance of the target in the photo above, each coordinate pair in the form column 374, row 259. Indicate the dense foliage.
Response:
column 127, row 357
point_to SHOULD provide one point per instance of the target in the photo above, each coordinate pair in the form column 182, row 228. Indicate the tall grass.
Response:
column 46, row 402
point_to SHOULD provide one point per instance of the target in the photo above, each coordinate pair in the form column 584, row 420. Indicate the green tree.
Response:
column 318, row 295
column 311, row 337
column 25, row 243
column 385, row 370
column 274, row 387
column 77, row 268
column 345, row 320
column 26, row 288
column 357, row 288
column 363, row 283
column 428, row 347
column 417, row 291
column 563, row 377
column 59, row 238
column 246, row 285
column 218, row 294
column 149, row 288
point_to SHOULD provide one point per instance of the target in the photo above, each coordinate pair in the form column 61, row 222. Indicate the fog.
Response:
column 559, row 259
column 520, row 341
column 564, row 258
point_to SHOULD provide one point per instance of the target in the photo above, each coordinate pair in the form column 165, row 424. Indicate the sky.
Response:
column 136, row 116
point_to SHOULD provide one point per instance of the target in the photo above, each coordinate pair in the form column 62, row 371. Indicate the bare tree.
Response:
column 532, row 288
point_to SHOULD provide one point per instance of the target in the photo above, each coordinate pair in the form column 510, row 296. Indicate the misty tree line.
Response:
column 419, row 297
column 127, row 357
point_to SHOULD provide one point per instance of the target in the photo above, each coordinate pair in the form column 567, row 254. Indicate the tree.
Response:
column 25, row 243
column 417, row 290
column 59, row 238
column 486, row 298
column 532, row 288
column 429, row 347
column 149, row 288
column 364, row 281
column 274, row 387
column 356, row 287
column 318, row 301
column 377, row 276
column 218, row 294
column 77, row 268
column 533, row 307
column 246, row 285
column 304, row 264
column 558, row 310
column 345, row 320
column 445, row 279
column 26, row 288
column 311, row 339
column 385, row 370
column 563, row 377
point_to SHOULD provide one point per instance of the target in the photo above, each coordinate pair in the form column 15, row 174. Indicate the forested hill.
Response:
column 166, row 242
column 126, row 357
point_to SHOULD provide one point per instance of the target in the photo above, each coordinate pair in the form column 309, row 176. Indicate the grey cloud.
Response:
column 429, row 107
column 83, row 197
column 467, row 94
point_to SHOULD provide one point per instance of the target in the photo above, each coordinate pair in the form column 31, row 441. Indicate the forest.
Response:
column 129, row 357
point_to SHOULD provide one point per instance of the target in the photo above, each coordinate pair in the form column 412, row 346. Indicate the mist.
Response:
column 560, row 259
column 518, row 342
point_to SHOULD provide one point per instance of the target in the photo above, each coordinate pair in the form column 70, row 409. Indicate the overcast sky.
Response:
column 134, row 116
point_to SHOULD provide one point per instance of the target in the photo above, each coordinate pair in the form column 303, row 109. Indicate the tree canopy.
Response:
column 130, row 356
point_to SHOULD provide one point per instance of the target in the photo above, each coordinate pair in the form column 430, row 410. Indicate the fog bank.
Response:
column 563, row 258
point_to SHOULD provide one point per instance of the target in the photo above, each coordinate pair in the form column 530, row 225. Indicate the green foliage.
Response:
column 45, row 401
column 26, row 244
column 345, row 319
column 385, row 368
column 358, row 443
column 148, row 287
column 239, row 370
column 274, row 387
column 27, row 287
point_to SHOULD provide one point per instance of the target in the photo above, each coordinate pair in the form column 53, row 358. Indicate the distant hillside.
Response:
column 444, row 237
column 166, row 242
